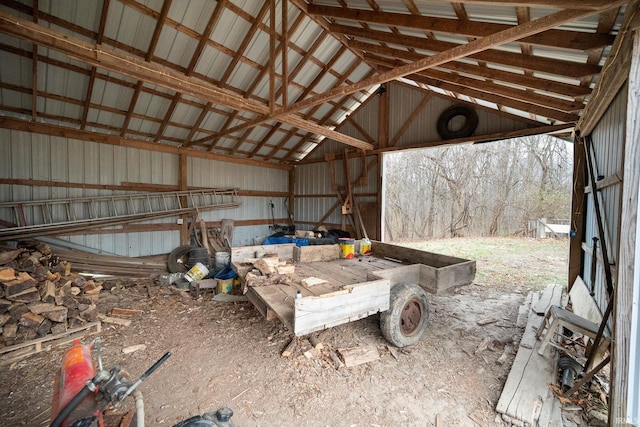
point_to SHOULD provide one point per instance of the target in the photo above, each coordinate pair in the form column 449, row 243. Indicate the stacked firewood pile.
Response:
column 39, row 295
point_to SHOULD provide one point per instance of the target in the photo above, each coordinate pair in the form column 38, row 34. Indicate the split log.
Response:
column 28, row 295
column 4, row 318
column 4, row 305
column 17, row 310
column 22, row 282
column 10, row 330
column 315, row 343
column 58, row 314
column 267, row 265
column 289, row 349
column 47, row 291
column 44, row 328
column 336, row 360
column 7, row 274
column 31, row 320
column 59, row 328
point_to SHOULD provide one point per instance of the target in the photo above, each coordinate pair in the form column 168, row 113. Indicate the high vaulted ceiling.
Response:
column 209, row 75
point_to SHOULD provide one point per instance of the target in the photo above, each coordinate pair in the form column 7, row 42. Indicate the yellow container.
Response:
column 225, row 285
column 365, row 246
column 197, row 272
column 346, row 248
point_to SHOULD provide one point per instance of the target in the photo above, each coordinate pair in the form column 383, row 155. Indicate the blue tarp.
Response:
column 280, row 240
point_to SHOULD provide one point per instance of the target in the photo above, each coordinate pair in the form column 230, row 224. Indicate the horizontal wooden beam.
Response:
column 516, row 60
column 578, row 40
column 48, row 129
column 114, row 60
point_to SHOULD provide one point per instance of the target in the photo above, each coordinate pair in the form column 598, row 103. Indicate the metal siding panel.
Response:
column 608, row 148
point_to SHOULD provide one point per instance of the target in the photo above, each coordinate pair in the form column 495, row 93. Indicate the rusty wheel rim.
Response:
column 411, row 317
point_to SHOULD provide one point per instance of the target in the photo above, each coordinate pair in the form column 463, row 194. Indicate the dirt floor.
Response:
column 227, row 354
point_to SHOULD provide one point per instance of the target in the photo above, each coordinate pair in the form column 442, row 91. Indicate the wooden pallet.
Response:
column 23, row 350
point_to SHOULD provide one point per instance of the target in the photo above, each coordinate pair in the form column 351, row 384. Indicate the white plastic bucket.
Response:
column 197, row 272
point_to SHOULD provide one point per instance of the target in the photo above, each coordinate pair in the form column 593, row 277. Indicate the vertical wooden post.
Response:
column 292, row 188
column 182, row 185
column 383, row 142
column 272, row 57
column 578, row 202
column 285, row 53
column 624, row 368
column 383, row 116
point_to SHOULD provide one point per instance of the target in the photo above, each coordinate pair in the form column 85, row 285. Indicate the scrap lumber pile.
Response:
column 40, row 296
column 268, row 270
column 111, row 264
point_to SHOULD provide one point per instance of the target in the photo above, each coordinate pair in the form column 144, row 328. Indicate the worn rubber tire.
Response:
column 470, row 123
column 178, row 259
column 408, row 315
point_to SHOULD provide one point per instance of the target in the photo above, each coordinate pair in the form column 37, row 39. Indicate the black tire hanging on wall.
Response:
column 178, row 259
column 470, row 123
column 408, row 315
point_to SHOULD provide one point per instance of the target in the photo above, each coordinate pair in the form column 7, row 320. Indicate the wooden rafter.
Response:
column 487, row 86
column 545, row 65
column 215, row 16
column 553, row 38
column 94, row 69
column 133, row 67
column 149, row 55
column 310, row 113
column 479, row 45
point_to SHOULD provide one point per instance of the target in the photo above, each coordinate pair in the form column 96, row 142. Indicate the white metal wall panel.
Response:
column 39, row 157
column 608, row 148
column 315, row 179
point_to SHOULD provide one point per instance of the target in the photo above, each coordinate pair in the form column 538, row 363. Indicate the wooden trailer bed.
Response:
column 354, row 288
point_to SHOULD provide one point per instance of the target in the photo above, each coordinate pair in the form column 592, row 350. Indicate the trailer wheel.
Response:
column 178, row 259
column 408, row 315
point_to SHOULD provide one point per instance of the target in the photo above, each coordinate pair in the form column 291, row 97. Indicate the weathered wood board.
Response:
column 526, row 395
column 240, row 253
column 316, row 253
column 439, row 273
column 355, row 302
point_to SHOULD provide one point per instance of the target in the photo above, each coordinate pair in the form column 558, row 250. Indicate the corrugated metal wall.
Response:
column 31, row 156
column 315, row 180
column 608, row 149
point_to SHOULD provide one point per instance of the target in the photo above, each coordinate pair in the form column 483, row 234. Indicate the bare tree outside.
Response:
column 491, row 189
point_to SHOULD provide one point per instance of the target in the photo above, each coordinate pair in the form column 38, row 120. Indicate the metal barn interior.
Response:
column 284, row 105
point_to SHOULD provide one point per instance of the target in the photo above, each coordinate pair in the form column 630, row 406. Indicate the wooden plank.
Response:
column 284, row 251
column 551, row 296
column 316, row 253
column 525, row 395
column 359, row 355
column 354, row 302
column 624, row 379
